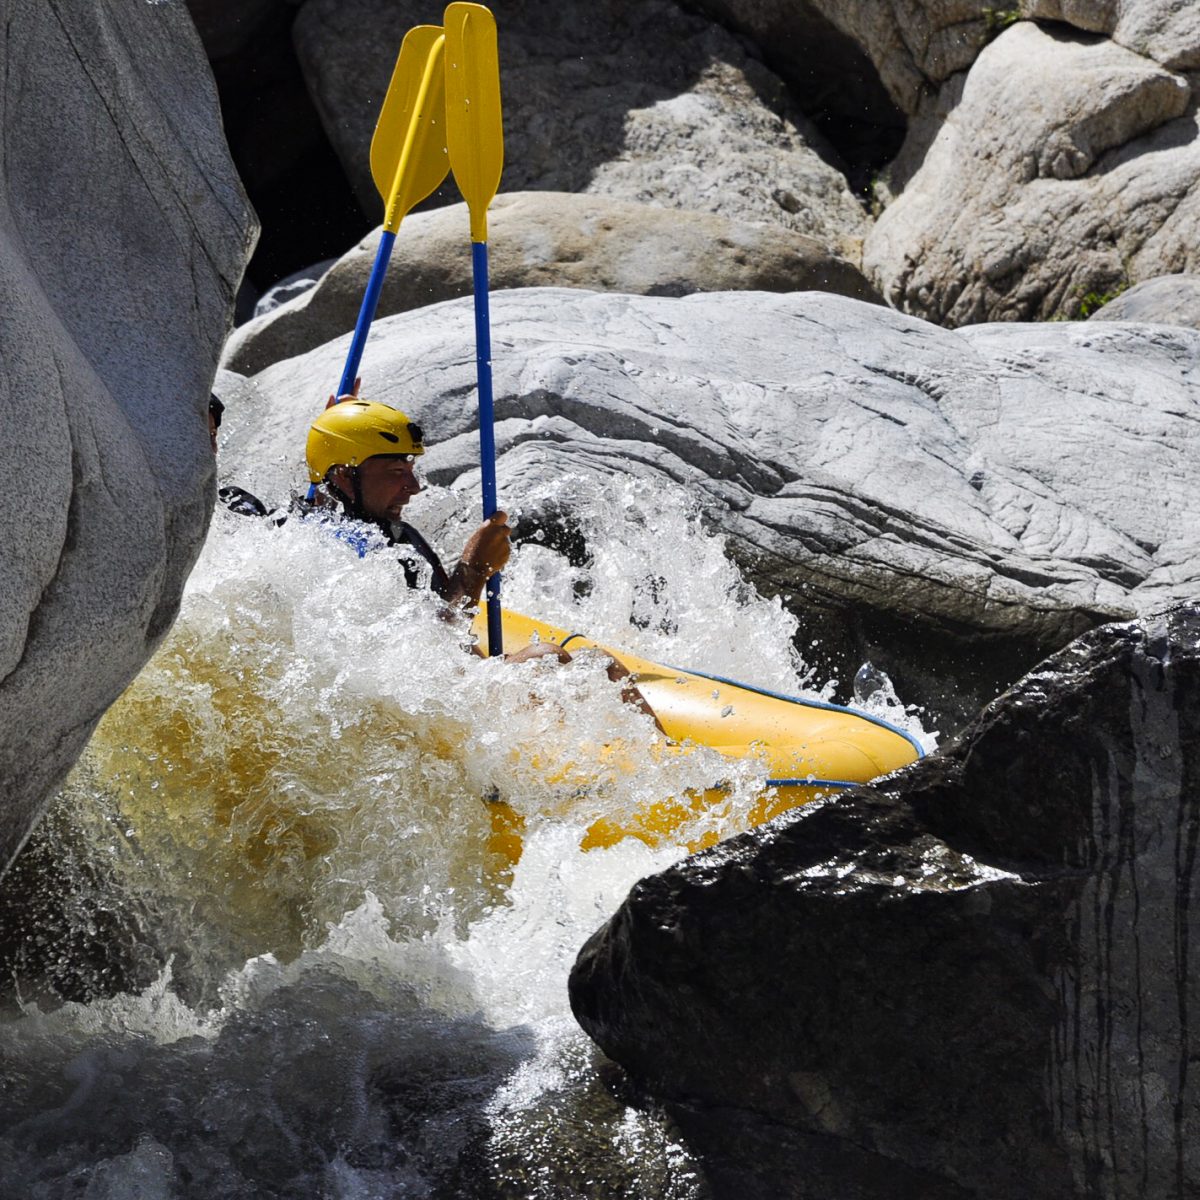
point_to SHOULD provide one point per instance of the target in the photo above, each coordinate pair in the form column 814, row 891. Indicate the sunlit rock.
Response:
column 974, row 979
column 639, row 102
column 1167, row 31
column 549, row 239
column 1167, row 300
column 123, row 234
column 1060, row 168
column 915, row 494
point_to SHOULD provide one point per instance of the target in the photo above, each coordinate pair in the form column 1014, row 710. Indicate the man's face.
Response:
column 387, row 485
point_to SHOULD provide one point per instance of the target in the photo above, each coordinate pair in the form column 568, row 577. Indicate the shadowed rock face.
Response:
column 914, row 46
column 976, row 978
column 639, row 101
column 123, row 234
column 828, row 72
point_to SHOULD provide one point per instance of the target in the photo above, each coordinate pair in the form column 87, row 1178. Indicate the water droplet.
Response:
column 869, row 680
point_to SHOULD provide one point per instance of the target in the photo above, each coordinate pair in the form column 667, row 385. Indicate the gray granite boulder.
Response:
column 972, row 978
column 123, row 235
column 916, row 494
column 1061, row 167
column 636, row 101
column 548, row 239
column 1167, row 300
column 1168, row 31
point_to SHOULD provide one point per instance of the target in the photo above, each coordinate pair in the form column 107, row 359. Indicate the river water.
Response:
column 304, row 964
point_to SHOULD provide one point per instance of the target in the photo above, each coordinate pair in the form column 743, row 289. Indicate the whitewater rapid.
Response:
column 348, row 992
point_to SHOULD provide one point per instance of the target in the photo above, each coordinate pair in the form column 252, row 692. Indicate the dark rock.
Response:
column 276, row 139
column 227, row 28
column 973, row 979
column 71, row 927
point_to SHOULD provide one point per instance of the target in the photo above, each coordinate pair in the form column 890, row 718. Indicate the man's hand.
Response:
column 486, row 552
column 351, row 395
column 488, row 548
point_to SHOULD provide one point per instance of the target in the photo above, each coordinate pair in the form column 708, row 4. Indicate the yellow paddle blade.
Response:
column 408, row 151
column 475, row 131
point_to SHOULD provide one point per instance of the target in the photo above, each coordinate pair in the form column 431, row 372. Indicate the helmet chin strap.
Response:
column 352, row 504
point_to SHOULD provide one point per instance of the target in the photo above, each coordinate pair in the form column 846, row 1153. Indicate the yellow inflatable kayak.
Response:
column 807, row 747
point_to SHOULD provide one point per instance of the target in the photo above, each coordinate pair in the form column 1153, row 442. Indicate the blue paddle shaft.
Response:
column 487, row 433
column 366, row 314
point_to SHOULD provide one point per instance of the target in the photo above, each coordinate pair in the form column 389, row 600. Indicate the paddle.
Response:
column 408, row 160
column 475, row 139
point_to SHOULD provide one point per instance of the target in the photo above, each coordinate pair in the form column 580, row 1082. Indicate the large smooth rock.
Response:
column 975, row 978
column 1167, row 31
column 1060, row 167
column 916, row 494
column 637, row 101
column 123, row 236
column 1168, row 300
column 548, row 239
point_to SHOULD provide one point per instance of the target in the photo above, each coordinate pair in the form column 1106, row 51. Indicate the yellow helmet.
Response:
column 349, row 433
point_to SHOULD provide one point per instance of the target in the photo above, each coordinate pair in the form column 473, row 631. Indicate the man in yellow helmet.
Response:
column 362, row 456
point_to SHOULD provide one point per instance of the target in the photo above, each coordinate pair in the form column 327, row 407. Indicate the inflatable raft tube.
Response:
column 808, row 748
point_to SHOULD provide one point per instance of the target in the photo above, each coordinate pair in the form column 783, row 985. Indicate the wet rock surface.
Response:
column 548, row 239
column 636, row 101
column 925, row 498
column 974, row 978
column 115, row 311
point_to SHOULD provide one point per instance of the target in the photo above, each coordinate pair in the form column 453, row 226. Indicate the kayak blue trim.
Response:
column 838, row 708
column 830, row 783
